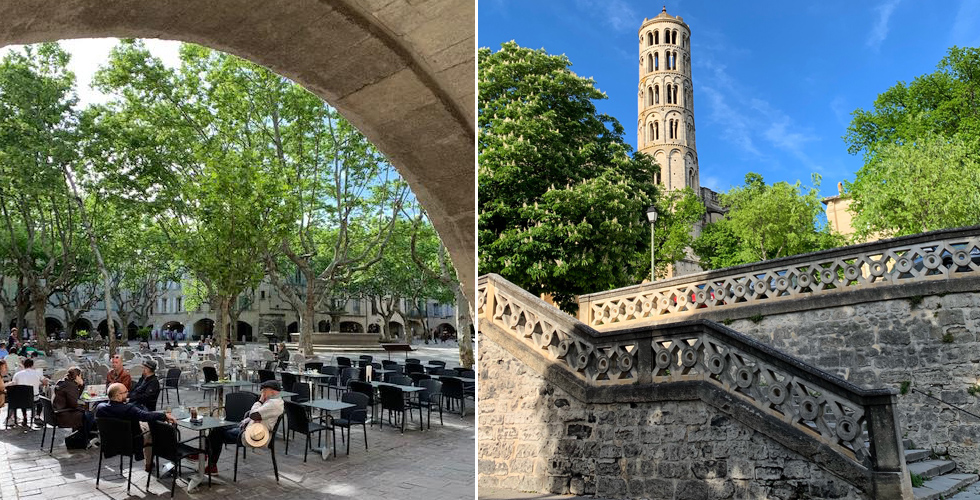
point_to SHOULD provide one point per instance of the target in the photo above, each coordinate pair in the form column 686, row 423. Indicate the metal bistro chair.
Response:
column 210, row 375
column 167, row 445
column 172, row 383
column 353, row 416
column 288, row 380
column 298, row 421
column 365, row 388
column 393, row 400
column 325, row 383
column 115, row 438
column 49, row 416
column 271, row 446
column 431, row 396
column 19, row 397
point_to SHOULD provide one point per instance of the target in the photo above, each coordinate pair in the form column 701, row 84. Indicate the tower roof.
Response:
column 664, row 16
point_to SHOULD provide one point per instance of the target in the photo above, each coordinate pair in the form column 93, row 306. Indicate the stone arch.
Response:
column 395, row 329
column 81, row 324
column 351, row 327
column 132, row 331
column 52, row 326
column 204, row 327
column 355, row 54
column 103, row 328
column 292, row 327
column 649, row 38
column 243, row 331
column 323, row 326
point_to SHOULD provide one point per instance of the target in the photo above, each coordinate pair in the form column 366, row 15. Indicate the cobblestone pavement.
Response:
column 436, row 464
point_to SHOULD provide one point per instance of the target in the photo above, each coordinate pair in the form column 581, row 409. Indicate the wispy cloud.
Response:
column 966, row 29
column 734, row 122
column 879, row 31
column 616, row 13
column 841, row 112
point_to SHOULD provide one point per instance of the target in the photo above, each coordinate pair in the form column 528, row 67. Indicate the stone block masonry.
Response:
column 929, row 341
column 534, row 436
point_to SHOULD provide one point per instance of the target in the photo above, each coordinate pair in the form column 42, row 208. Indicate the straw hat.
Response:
column 256, row 435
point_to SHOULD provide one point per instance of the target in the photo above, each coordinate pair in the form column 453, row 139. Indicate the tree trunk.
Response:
column 39, row 300
column 306, row 326
column 222, row 326
column 464, row 329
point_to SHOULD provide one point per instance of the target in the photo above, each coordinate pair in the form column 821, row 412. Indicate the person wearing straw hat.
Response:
column 255, row 429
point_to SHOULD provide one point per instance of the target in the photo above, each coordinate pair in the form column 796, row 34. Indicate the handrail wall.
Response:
column 950, row 254
column 857, row 424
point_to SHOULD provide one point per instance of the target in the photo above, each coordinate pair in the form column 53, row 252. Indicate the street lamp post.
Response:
column 652, row 217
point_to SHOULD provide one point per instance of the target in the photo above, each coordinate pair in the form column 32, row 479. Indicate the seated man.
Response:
column 67, row 411
column 266, row 411
column 3, row 350
column 29, row 376
column 147, row 388
column 119, row 374
column 117, row 407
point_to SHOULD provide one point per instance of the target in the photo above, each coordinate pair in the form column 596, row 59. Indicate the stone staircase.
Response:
column 941, row 482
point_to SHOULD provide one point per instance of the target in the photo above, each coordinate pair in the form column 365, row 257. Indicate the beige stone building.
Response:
column 665, row 123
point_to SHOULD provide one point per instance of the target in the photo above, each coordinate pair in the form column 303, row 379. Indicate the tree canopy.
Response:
column 561, row 197
column 765, row 222
column 920, row 146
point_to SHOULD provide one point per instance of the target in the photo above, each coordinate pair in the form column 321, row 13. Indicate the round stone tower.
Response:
column 665, row 128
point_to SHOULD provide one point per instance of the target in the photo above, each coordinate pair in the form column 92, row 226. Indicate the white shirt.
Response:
column 270, row 411
column 29, row 376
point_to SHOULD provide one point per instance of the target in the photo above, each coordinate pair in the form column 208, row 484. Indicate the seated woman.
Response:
column 3, row 386
column 67, row 411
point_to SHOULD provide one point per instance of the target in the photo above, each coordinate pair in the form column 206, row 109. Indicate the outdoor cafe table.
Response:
column 91, row 401
column 220, row 386
column 326, row 405
column 202, row 427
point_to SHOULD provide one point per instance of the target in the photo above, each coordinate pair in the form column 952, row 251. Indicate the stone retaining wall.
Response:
column 931, row 342
column 533, row 436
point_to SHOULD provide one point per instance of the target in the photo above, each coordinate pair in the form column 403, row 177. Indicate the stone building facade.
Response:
column 263, row 310
column 665, row 122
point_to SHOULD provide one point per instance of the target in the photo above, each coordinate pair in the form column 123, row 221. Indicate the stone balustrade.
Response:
column 802, row 407
column 938, row 255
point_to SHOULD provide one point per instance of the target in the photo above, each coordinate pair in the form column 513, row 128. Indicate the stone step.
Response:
column 916, row 455
column 945, row 486
column 931, row 468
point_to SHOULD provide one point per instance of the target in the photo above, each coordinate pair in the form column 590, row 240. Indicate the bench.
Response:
column 390, row 348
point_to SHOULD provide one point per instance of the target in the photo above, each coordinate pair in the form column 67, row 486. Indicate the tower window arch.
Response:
column 668, row 94
column 649, row 96
column 656, row 130
column 673, row 132
column 656, row 37
column 675, row 94
column 650, row 63
column 656, row 94
column 675, row 59
column 674, row 37
column 656, row 61
column 670, row 128
column 649, row 38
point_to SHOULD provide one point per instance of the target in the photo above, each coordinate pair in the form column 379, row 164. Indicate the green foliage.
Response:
column 929, row 182
column 917, row 480
column 561, row 200
column 756, row 318
column 765, row 222
column 973, row 390
column 948, row 338
column 915, row 300
column 904, row 389
column 920, row 151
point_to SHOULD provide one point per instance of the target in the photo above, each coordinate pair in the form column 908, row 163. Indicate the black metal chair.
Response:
column 238, row 403
column 431, row 396
column 368, row 391
column 272, row 451
column 297, row 420
column 401, row 380
column 453, row 390
column 393, row 400
column 172, row 383
column 210, row 375
column 302, row 390
column 416, row 377
column 49, row 416
column 414, row 368
column 413, row 361
column 20, row 397
column 167, row 445
column 352, row 416
column 288, row 380
column 437, row 362
column 346, row 375
column 343, row 361
column 115, row 438
column 266, row 375
column 313, row 365
column 327, row 382
column 364, row 359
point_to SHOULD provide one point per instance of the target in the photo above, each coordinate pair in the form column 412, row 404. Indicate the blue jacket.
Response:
column 133, row 414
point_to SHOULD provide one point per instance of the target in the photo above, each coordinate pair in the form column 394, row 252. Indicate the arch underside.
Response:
column 401, row 71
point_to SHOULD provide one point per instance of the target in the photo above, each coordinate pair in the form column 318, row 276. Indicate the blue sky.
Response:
column 775, row 82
